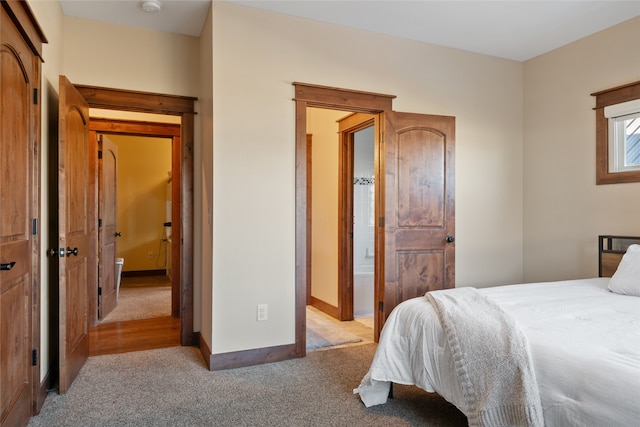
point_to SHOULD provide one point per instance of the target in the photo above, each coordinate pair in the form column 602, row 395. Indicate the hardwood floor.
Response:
column 134, row 335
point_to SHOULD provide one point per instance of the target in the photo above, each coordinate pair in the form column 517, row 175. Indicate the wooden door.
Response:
column 418, row 226
column 19, row 125
column 77, row 243
column 107, row 233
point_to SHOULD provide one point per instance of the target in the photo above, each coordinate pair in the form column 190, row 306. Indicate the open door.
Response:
column 418, row 227
column 77, row 240
column 107, row 223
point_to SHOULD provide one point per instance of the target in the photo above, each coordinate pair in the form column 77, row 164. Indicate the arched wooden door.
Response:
column 19, row 210
column 418, row 197
column 77, row 235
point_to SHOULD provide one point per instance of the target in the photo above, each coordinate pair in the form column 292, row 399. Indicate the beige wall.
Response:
column 257, row 56
column 564, row 211
column 143, row 167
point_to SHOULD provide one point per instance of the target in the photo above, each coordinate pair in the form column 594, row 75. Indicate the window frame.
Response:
column 616, row 95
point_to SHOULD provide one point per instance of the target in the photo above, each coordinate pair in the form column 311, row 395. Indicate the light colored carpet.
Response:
column 172, row 387
column 141, row 302
column 325, row 331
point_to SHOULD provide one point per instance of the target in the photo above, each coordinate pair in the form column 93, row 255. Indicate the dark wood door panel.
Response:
column 421, row 178
column 77, row 209
column 20, row 41
column 419, row 207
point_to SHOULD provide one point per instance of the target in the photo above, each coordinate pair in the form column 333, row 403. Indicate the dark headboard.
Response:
column 610, row 252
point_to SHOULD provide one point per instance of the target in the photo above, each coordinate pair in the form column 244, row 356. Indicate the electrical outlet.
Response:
column 262, row 312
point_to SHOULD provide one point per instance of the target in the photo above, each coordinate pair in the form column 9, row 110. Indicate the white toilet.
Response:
column 119, row 264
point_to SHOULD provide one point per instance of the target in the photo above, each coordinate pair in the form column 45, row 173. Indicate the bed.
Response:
column 580, row 361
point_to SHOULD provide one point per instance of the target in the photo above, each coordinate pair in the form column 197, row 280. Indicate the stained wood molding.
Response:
column 604, row 98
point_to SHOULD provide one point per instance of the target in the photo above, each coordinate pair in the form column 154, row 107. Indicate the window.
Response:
column 618, row 134
column 624, row 136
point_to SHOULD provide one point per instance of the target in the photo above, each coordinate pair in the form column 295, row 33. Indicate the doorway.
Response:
column 143, row 203
column 182, row 167
column 363, row 202
column 340, row 166
column 414, row 220
column 81, row 299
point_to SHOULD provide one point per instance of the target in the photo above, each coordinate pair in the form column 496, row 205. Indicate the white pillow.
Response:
column 626, row 279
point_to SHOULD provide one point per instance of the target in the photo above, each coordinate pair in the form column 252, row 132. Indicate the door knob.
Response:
column 7, row 266
column 54, row 252
column 73, row 251
column 118, row 234
column 450, row 239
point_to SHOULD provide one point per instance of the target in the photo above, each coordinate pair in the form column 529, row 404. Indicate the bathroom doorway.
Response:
column 143, row 232
column 341, row 213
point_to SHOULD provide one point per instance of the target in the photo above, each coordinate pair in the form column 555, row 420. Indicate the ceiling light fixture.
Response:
column 151, row 6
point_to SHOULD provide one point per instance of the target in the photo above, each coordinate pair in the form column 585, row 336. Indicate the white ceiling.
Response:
column 513, row 29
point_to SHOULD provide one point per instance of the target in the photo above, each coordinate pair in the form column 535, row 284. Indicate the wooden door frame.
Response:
column 155, row 130
column 182, row 161
column 308, row 95
column 347, row 127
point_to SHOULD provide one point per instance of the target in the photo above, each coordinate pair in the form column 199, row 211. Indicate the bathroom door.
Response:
column 107, row 223
column 77, row 236
column 418, row 227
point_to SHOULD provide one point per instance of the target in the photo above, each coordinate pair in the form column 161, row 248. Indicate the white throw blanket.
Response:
column 491, row 359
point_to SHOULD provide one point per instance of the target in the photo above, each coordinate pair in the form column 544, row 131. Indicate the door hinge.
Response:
column 35, row 96
column 99, row 291
column 381, row 221
column 34, row 226
column 99, row 222
column 34, row 357
column 381, row 306
column 99, row 154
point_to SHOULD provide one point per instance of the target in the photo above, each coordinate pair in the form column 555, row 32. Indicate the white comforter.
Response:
column 584, row 343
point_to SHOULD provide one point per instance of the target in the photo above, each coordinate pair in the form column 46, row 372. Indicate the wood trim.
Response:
column 257, row 356
column 337, row 98
column 182, row 165
column 617, row 94
column 309, row 212
column 308, row 95
column 185, row 213
column 21, row 14
column 326, row 308
column 135, row 128
column 204, row 350
column 605, row 98
column 129, row 100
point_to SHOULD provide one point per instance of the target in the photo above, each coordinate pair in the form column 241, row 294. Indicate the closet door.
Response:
column 19, row 146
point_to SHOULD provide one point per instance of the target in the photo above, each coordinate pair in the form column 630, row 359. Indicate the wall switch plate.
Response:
column 262, row 312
